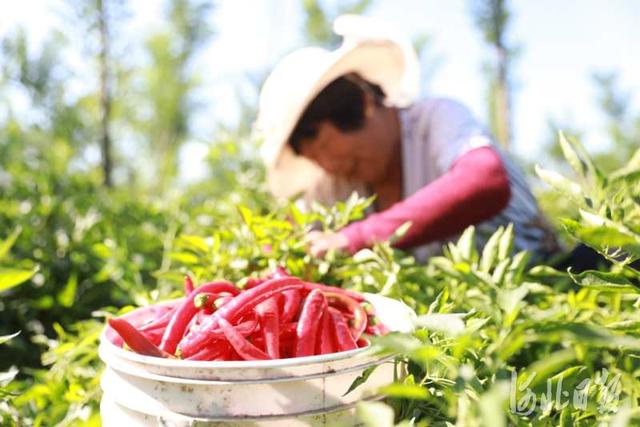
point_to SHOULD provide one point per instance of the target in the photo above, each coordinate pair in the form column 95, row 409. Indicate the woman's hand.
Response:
column 320, row 242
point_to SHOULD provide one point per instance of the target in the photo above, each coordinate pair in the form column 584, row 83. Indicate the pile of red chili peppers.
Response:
column 280, row 316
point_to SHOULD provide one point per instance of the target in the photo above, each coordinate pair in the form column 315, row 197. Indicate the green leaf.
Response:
column 492, row 404
column 467, row 243
column 603, row 281
column 296, row 214
column 546, row 367
column 587, row 334
column 193, row 243
column 8, row 376
column 246, row 214
column 566, row 420
column 101, row 250
column 366, row 255
column 10, row 277
column 405, row 391
column 506, row 243
column 508, row 300
column 361, row 379
column 449, row 323
column 605, row 237
column 5, row 338
column 8, row 243
column 571, row 156
column 445, row 265
column 426, row 354
column 630, row 173
column 439, row 301
column 490, row 250
column 606, row 233
column 67, row 295
column 591, row 170
column 518, row 264
column 184, row 258
column 501, row 269
column 544, row 271
column 172, row 276
column 560, row 183
column 400, row 232
column 514, row 342
column 397, row 343
column 375, row 414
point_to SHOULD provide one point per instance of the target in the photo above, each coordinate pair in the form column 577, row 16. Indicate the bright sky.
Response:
column 563, row 43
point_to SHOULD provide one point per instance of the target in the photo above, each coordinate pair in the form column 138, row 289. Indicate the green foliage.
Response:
column 518, row 330
column 609, row 213
column 622, row 129
column 9, row 278
column 68, row 391
column 514, row 321
column 166, row 97
column 318, row 20
column 484, row 314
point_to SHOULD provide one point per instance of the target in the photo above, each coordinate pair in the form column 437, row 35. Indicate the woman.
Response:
column 344, row 120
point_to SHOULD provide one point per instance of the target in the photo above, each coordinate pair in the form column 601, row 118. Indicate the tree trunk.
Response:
column 105, row 93
column 502, row 99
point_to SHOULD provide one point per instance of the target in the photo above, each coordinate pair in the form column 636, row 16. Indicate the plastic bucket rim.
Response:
column 233, row 364
column 141, row 373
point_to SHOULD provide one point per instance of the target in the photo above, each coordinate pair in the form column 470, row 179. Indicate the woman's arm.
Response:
column 474, row 189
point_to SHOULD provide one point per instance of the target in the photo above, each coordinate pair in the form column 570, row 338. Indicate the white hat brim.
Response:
column 383, row 62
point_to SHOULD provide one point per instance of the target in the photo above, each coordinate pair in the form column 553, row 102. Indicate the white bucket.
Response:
column 148, row 391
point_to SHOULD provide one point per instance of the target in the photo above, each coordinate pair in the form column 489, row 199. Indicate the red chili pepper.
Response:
column 326, row 342
column 234, row 309
column 377, row 329
column 368, row 308
column 219, row 302
column 218, row 322
column 159, row 323
column 218, row 351
column 358, row 320
column 344, row 339
column 163, row 314
column 325, row 288
column 252, row 282
column 291, row 307
column 270, row 324
column 245, row 328
column 287, row 347
column 134, row 339
column 289, row 329
column 309, row 323
column 246, row 301
column 244, row 348
column 362, row 343
column 188, row 285
column 207, row 301
column 183, row 315
column 154, row 336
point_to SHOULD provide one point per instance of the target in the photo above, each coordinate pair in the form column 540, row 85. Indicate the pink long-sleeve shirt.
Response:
column 453, row 177
column 475, row 189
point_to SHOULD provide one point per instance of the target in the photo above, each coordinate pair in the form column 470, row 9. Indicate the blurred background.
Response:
column 175, row 75
column 125, row 124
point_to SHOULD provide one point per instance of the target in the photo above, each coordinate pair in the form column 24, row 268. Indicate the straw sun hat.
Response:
column 369, row 48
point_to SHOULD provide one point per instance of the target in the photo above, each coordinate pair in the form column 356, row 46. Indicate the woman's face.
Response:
column 362, row 155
